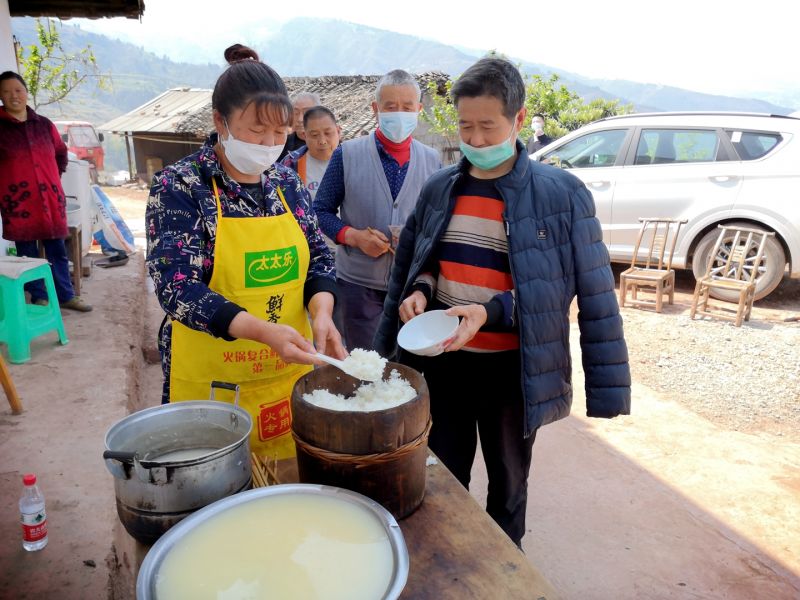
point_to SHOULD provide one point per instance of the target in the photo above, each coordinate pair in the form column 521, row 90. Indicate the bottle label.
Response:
column 34, row 526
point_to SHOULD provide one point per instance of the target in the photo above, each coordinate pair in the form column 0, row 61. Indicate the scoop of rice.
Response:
column 378, row 395
column 367, row 365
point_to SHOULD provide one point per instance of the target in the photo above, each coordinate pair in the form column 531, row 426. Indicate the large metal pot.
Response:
column 155, row 486
column 146, row 582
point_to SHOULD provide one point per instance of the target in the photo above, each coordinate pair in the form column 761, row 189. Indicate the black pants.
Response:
column 481, row 394
column 361, row 310
column 56, row 253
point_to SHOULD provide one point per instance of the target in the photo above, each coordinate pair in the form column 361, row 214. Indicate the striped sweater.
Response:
column 470, row 266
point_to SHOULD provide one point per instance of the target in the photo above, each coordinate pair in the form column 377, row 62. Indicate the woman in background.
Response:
column 32, row 201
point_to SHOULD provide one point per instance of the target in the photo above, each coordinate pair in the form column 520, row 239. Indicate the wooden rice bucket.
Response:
column 380, row 454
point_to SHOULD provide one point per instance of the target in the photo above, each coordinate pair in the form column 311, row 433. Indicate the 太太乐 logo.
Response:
column 270, row 267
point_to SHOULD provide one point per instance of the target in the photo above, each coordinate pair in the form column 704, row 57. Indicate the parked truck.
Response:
column 83, row 140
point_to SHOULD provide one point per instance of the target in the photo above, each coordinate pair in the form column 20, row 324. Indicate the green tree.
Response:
column 51, row 72
column 442, row 116
column 564, row 110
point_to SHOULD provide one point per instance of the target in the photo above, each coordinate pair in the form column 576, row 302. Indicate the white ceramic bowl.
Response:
column 425, row 333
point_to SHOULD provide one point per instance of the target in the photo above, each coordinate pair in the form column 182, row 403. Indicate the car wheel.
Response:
column 771, row 269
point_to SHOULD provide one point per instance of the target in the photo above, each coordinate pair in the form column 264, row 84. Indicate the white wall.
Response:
column 7, row 63
column 7, row 60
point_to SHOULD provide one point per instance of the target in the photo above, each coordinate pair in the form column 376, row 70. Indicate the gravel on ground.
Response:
column 741, row 378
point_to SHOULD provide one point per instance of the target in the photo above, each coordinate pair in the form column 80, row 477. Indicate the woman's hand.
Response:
column 473, row 317
column 290, row 345
column 326, row 337
column 412, row 306
column 286, row 341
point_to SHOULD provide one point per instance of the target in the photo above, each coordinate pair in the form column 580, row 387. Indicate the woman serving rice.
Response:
column 236, row 255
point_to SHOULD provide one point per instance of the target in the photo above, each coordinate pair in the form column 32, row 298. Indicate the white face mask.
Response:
column 249, row 159
column 397, row 126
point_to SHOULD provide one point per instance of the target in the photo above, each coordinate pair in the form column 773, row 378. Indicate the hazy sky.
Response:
column 717, row 46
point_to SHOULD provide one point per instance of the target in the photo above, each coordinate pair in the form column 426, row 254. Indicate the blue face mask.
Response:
column 397, row 126
column 489, row 157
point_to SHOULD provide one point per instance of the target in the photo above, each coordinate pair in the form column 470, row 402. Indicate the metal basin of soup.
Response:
column 285, row 541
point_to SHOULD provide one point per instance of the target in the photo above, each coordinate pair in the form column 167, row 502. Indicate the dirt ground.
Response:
column 685, row 498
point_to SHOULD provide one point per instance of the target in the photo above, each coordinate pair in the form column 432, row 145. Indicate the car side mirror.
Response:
column 65, row 138
column 100, row 137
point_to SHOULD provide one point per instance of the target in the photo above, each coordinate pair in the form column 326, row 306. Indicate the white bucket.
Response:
column 76, row 182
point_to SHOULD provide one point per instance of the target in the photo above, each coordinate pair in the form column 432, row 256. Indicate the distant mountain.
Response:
column 672, row 98
column 312, row 47
column 136, row 75
column 306, row 46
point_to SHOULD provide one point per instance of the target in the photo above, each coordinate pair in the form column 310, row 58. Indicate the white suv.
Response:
column 709, row 168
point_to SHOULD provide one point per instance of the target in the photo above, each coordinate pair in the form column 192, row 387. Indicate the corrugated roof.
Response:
column 67, row 9
column 188, row 111
column 166, row 113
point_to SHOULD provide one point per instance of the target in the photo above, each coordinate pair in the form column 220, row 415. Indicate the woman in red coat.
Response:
column 32, row 202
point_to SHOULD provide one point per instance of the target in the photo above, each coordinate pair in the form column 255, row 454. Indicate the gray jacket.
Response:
column 368, row 203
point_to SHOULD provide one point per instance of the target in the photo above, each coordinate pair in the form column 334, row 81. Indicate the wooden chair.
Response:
column 726, row 271
column 9, row 388
column 651, row 267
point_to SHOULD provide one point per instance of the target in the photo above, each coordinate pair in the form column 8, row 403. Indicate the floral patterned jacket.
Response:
column 181, row 221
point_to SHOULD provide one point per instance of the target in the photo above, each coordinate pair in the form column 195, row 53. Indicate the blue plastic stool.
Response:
column 21, row 322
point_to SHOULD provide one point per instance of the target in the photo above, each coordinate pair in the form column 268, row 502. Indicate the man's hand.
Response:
column 473, row 316
column 370, row 241
column 412, row 306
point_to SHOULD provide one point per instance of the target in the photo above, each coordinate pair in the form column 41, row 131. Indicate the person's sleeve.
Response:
column 603, row 349
column 425, row 283
column 529, row 145
column 330, row 196
column 62, row 158
column 385, row 341
column 179, row 258
column 321, row 275
column 500, row 311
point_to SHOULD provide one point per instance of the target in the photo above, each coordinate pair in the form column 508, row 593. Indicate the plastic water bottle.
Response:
column 32, row 515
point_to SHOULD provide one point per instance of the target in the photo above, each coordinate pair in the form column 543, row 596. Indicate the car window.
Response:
column 751, row 145
column 596, row 149
column 659, row 146
column 83, row 137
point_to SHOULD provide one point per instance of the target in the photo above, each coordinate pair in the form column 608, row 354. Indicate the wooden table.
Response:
column 456, row 550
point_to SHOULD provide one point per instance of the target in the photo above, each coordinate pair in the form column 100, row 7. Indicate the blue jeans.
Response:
column 56, row 253
column 362, row 308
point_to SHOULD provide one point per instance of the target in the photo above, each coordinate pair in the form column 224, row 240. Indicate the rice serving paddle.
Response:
column 348, row 368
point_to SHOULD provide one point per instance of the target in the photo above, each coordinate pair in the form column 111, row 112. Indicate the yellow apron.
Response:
column 260, row 263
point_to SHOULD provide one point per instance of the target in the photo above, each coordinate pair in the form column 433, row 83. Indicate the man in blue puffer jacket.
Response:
column 506, row 244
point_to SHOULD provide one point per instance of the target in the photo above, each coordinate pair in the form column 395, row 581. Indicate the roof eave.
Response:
column 69, row 9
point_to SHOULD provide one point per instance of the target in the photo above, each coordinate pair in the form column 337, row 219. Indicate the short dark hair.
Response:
column 249, row 81
column 315, row 112
column 6, row 75
column 494, row 77
column 540, row 115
